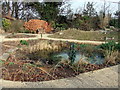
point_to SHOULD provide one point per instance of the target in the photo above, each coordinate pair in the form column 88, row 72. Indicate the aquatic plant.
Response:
column 72, row 53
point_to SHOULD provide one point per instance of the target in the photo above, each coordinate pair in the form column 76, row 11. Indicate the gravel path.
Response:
column 45, row 36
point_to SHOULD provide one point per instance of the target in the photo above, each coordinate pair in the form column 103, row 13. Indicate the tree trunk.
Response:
column 16, row 10
column 13, row 9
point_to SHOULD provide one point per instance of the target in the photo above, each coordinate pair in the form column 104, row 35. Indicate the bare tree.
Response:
column 105, row 15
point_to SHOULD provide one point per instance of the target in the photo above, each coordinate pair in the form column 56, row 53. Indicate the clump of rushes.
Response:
column 111, row 52
column 111, row 57
column 79, row 66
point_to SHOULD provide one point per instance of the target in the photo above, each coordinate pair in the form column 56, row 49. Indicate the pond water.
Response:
column 52, row 52
column 96, row 58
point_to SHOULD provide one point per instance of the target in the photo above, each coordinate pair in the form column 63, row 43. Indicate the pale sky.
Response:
column 98, row 4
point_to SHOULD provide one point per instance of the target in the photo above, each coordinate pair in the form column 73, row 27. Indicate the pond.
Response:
column 96, row 58
column 44, row 60
column 88, row 53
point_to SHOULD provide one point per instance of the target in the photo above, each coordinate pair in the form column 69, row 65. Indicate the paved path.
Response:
column 104, row 78
column 45, row 36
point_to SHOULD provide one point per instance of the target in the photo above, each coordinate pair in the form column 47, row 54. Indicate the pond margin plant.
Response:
column 111, row 52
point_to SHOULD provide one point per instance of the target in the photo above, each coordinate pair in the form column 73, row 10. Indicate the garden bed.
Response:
column 20, row 36
column 35, row 62
column 29, row 71
column 5, row 46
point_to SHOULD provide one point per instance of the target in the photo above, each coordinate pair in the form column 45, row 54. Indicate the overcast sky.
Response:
column 98, row 4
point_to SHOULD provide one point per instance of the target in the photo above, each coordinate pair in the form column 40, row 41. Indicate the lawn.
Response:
column 85, row 35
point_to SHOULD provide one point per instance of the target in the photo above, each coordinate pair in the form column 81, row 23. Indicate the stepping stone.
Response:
column 4, row 56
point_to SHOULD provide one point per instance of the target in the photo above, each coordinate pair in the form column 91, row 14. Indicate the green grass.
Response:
column 85, row 35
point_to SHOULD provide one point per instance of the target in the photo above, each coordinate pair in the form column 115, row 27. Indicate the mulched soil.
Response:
column 11, row 43
column 4, row 49
column 5, row 46
column 20, row 70
column 20, row 36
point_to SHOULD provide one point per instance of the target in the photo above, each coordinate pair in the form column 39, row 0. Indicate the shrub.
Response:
column 24, row 42
column 114, row 22
column 6, row 24
column 11, row 63
column 17, row 26
column 25, row 31
column 86, row 18
column 78, row 23
column 111, row 46
column 59, row 26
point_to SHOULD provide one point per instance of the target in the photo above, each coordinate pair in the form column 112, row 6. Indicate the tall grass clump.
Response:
column 111, row 52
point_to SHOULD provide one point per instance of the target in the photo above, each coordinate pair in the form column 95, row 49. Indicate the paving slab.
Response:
column 105, row 77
